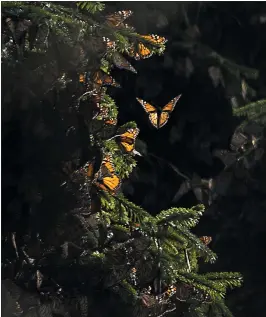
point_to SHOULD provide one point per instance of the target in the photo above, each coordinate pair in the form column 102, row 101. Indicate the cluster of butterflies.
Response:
column 181, row 291
column 139, row 49
column 106, row 177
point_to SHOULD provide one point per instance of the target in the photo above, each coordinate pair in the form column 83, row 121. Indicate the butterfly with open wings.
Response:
column 159, row 117
column 102, row 79
column 141, row 50
column 206, row 239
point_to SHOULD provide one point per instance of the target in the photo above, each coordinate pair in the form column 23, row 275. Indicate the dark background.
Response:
column 201, row 122
column 203, row 114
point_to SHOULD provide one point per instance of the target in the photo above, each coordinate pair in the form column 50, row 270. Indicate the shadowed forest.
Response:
column 133, row 159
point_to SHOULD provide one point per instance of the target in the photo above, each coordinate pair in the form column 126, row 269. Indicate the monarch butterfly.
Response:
column 117, row 18
column 148, row 300
column 100, row 78
column 96, row 97
column 89, row 169
column 159, row 118
column 155, row 39
column 110, row 45
column 82, row 78
column 238, row 141
column 141, row 51
column 106, row 179
column 111, row 122
column 127, row 139
column 206, row 239
column 121, row 63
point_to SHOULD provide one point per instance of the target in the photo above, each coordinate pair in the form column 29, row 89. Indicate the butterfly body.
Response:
column 159, row 116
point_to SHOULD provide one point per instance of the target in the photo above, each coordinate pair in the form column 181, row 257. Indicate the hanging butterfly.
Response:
column 110, row 45
column 106, row 178
column 238, row 141
column 82, row 78
column 139, row 51
column 128, row 138
column 102, row 79
column 159, row 118
column 171, row 291
column 111, row 122
column 185, row 292
column 206, row 239
column 95, row 99
column 89, row 170
column 109, row 128
column 155, row 39
column 148, row 300
column 121, row 63
column 117, row 18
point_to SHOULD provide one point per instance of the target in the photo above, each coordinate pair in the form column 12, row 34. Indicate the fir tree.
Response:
column 73, row 245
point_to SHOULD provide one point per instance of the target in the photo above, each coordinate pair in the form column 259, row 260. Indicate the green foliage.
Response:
column 92, row 237
column 254, row 111
column 91, row 7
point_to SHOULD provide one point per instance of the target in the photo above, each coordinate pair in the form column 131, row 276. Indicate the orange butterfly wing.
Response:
column 111, row 122
column 206, row 239
column 128, row 138
column 144, row 51
column 97, row 78
column 147, row 106
column 163, row 118
column 151, row 110
column 89, row 168
column 81, row 78
column 171, row 105
column 132, row 53
column 154, row 119
column 108, row 164
column 107, row 179
column 155, row 39
column 141, row 51
column 109, row 80
column 167, row 110
column 101, row 78
column 110, row 183
column 110, row 45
